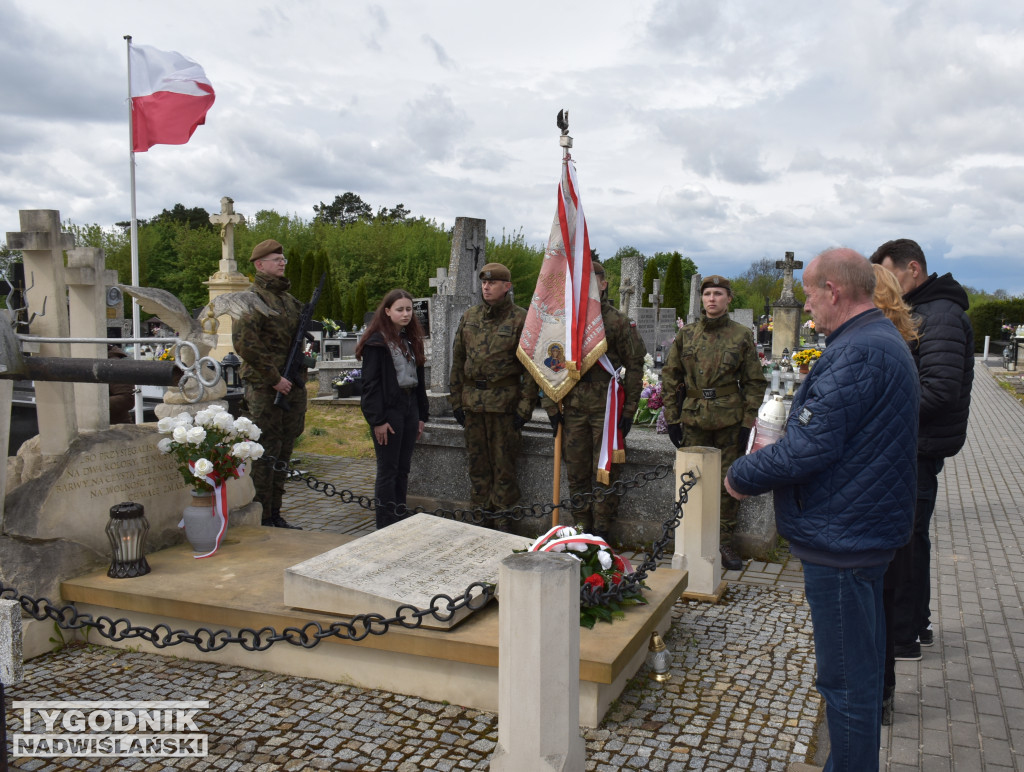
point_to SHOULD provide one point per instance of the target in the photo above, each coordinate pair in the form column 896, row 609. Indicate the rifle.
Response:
column 296, row 357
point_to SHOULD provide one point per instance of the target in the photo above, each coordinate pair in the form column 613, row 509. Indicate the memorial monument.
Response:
column 786, row 326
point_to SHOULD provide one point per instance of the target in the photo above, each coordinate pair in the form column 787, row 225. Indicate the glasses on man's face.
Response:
column 281, row 260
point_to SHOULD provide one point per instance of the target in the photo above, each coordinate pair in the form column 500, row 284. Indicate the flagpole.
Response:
column 134, row 238
column 557, row 489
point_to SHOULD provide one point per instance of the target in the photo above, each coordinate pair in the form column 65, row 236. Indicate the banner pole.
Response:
column 134, row 235
column 556, row 492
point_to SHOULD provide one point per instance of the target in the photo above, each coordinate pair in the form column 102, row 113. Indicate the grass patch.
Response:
column 335, row 431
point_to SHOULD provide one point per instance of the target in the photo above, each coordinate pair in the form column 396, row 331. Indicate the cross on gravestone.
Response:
column 227, row 220
column 631, row 287
column 626, row 292
column 440, row 282
column 788, row 266
column 656, row 297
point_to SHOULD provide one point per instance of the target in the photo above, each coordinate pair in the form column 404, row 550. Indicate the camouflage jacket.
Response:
column 713, row 354
column 485, row 354
column 625, row 349
column 263, row 342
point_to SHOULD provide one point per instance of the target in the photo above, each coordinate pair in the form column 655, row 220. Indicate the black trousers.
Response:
column 395, row 458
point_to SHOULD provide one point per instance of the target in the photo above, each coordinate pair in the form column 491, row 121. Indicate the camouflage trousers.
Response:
column 492, row 445
column 280, row 428
column 726, row 440
column 581, row 450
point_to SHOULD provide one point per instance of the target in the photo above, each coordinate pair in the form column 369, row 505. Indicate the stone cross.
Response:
column 458, row 288
column 42, row 244
column 227, row 220
column 656, row 297
column 440, row 282
column 788, row 266
column 626, row 292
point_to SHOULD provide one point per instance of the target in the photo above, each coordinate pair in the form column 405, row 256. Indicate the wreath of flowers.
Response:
column 600, row 569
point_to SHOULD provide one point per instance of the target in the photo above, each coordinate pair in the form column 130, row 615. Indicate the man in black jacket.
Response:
column 944, row 355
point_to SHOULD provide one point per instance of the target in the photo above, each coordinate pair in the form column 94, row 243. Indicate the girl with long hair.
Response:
column 889, row 298
column 394, row 399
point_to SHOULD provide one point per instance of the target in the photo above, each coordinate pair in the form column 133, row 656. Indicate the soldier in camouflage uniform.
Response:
column 712, row 387
column 263, row 343
column 583, row 410
column 492, row 395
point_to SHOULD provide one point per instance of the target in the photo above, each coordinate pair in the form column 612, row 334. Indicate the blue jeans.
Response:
column 849, row 643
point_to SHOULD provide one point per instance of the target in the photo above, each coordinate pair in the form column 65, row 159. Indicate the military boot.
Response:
column 279, row 522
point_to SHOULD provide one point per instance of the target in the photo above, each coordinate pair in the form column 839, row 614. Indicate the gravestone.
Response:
column 744, row 316
column 458, row 288
column 404, row 564
column 631, row 284
column 421, row 307
column 786, row 324
column 654, row 334
column 695, row 303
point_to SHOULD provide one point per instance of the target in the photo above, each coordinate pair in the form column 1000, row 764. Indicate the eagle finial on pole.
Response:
column 565, row 141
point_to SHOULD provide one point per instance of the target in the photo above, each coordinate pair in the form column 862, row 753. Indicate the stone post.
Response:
column 11, row 660
column 539, row 664
column 697, row 538
column 693, row 314
column 87, row 280
column 42, row 244
column 631, row 284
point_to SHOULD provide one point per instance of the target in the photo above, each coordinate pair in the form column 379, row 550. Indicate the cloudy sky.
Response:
column 730, row 130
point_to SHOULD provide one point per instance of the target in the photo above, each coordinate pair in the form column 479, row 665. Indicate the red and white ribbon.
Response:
column 613, row 445
column 549, row 542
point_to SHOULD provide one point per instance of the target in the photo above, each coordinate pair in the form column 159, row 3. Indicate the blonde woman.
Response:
column 889, row 297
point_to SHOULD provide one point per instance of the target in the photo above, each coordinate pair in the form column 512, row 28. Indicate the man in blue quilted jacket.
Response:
column 944, row 354
column 844, row 480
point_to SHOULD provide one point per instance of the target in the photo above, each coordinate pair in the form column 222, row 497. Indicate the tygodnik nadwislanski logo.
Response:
column 85, row 728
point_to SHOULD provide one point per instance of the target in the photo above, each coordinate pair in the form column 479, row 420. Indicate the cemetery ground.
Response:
column 741, row 693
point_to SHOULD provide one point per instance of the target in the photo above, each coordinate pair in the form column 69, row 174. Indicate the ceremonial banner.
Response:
column 170, row 96
column 564, row 335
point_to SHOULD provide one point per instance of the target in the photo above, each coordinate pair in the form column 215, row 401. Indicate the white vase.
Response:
column 201, row 522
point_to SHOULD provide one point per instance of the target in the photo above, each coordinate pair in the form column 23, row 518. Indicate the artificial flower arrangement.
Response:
column 1010, row 329
column 167, row 355
column 350, row 377
column 600, row 570
column 805, row 356
column 331, row 327
column 211, row 447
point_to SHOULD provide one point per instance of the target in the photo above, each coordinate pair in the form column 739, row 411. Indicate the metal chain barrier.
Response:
column 442, row 607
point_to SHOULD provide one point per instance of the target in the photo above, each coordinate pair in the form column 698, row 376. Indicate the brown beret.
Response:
column 495, row 272
column 598, row 268
column 264, row 248
column 716, row 281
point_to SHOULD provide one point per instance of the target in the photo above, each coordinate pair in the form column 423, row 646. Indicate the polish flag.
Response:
column 170, row 97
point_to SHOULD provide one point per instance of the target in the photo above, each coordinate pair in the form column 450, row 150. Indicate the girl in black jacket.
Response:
column 394, row 399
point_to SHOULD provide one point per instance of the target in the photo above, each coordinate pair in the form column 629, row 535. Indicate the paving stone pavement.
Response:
column 741, row 695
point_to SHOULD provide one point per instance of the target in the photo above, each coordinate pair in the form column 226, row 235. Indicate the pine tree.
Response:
column 650, row 274
column 359, row 306
column 675, row 287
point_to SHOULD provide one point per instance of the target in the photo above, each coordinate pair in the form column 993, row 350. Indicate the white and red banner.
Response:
column 170, row 97
column 564, row 335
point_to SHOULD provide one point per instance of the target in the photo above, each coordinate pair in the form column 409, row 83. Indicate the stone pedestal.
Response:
column 697, row 540
column 756, row 534
column 222, row 283
column 786, row 327
column 538, row 687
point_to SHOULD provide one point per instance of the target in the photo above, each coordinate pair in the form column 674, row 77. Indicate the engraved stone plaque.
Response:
column 404, row 564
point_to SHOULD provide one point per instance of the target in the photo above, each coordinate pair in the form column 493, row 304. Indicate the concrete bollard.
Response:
column 10, row 643
column 697, row 538
column 539, row 664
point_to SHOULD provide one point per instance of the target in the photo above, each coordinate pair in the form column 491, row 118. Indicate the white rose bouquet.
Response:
column 211, row 447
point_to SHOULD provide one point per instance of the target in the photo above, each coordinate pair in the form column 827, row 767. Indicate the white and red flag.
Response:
column 564, row 334
column 170, row 97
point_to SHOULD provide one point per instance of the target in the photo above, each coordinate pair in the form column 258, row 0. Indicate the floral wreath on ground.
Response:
column 211, row 446
column 600, row 569
column 805, row 356
column 350, row 377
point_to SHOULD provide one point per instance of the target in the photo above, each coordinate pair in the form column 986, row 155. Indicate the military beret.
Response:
column 598, row 268
column 264, row 248
column 716, row 281
column 495, row 272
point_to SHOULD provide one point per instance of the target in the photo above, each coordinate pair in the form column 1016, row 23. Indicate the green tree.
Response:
column 359, row 305
column 522, row 261
column 675, row 286
column 650, row 274
column 350, row 309
column 344, row 210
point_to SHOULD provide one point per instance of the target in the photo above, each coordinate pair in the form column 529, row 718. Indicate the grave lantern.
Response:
column 659, row 659
column 229, row 366
column 127, row 530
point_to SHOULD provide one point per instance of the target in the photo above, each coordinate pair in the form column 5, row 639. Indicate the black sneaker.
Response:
column 909, row 652
column 887, row 710
column 731, row 561
column 279, row 522
column 926, row 637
